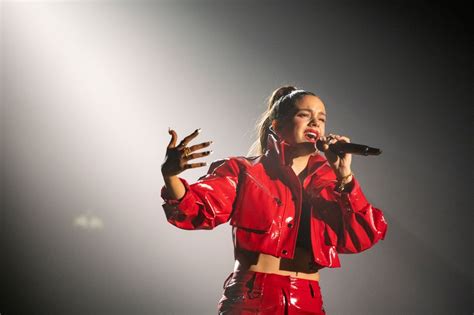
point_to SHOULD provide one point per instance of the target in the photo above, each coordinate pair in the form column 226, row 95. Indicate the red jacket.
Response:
column 262, row 198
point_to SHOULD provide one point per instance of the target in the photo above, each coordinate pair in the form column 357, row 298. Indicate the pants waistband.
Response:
column 259, row 277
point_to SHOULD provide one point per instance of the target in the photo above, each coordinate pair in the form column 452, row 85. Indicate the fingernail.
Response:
column 169, row 129
column 198, row 130
column 210, row 142
column 210, row 152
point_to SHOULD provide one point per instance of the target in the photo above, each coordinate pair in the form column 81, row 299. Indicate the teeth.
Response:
column 311, row 135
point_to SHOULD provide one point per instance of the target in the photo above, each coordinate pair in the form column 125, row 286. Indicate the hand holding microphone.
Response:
column 340, row 148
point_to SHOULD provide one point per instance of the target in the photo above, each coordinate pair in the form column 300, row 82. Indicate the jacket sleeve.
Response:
column 357, row 224
column 206, row 203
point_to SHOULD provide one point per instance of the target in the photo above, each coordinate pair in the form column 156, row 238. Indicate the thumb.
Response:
column 174, row 136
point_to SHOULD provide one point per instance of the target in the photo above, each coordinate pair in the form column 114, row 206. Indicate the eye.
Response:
column 303, row 115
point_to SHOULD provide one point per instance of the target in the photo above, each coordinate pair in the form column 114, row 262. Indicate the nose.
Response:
column 313, row 122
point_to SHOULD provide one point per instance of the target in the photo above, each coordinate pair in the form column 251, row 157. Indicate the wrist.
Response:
column 175, row 187
column 343, row 182
column 343, row 173
column 171, row 179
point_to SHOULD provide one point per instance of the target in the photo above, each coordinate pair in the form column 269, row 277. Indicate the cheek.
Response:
column 299, row 123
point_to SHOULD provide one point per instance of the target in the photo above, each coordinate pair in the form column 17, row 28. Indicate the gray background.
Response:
column 89, row 90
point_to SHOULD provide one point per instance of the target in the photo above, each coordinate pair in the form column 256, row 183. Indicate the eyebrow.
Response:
column 309, row 110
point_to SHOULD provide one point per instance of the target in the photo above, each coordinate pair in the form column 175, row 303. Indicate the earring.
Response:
column 272, row 130
column 274, row 133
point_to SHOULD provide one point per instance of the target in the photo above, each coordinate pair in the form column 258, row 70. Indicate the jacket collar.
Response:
column 276, row 153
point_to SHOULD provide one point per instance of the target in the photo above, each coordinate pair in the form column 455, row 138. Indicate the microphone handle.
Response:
column 341, row 148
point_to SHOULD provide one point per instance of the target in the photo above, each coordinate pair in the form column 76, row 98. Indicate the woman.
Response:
column 292, row 209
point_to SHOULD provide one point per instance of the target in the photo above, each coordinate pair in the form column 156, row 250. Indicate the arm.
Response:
column 357, row 224
column 352, row 223
column 206, row 203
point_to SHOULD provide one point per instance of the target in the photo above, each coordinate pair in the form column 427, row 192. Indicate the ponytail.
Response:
column 264, row 123
column 280, row 103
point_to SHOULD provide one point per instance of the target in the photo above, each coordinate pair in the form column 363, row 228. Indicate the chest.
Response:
column 265, row 202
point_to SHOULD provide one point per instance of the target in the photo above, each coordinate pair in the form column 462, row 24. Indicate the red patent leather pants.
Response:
column 251, row 292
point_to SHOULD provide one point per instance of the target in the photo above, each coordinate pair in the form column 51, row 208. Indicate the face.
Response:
column 306, row 125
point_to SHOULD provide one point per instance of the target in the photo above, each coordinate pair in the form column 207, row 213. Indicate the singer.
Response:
column 292, row 208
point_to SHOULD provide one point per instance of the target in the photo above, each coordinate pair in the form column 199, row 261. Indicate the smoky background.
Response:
column 89, row 89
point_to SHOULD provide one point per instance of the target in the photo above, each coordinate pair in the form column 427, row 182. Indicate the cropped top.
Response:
column 304, row 233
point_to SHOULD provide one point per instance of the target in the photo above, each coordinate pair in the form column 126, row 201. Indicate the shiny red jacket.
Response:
column 262, row 198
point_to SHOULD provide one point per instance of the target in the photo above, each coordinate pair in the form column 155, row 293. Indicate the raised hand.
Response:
column 340, row 164
column 177, row 157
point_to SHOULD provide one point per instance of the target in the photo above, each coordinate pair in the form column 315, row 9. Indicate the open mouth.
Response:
column 311, row 135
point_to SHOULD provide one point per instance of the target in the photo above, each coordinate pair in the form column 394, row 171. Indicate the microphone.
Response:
column 341, row 148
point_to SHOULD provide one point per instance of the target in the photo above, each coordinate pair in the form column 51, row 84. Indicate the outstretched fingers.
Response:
column 200, row 146
column 177, row 157
column 174, row 137
column 194, row 165
column 198, row 155
column 188, row 138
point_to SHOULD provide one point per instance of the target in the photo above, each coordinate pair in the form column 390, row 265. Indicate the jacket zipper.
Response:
column 265, row 189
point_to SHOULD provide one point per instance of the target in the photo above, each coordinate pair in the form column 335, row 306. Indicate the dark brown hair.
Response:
column 280, row 106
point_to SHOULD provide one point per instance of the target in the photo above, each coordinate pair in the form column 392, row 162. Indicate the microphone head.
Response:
column 373, row 151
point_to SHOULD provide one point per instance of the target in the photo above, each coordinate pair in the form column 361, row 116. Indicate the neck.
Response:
column 297, row 160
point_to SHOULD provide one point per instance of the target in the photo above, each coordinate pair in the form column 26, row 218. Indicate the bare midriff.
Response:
column 297, row 267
